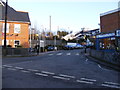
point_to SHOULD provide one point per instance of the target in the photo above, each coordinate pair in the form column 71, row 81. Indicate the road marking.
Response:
column 50, row 54
column 77, row 54
column 7, row 66
column 59, row 53
column 19, row 68
column 47, row 72
column 88, row 79
column 112, row 83
column 24, row 71
column 86, row 60
column 84, row 81
column 41, row 74
column 67, row 76
column 61, row 78
column 68, row 54
column 112, row 86
column 32, row 70
column 102, row 68
column 11, row 69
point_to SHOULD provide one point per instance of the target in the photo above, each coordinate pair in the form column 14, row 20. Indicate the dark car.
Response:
column 67, row 47
column 50, row 48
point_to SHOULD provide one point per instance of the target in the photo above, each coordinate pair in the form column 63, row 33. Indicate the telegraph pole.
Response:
column 5, row 23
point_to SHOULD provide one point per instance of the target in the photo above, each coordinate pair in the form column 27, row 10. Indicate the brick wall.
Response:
column 110, row 22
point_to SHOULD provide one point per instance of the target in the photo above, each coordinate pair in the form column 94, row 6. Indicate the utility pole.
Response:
column 5, row 29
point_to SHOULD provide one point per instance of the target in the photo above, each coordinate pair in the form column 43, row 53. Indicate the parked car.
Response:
column 50, row 48
column 78, row 46
column 67, row 47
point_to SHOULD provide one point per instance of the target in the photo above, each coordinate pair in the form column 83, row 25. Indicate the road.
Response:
column 59, row 69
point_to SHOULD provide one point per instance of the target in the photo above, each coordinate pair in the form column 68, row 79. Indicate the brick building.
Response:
column 110, row 21
column 109, row 24
column 18, row 22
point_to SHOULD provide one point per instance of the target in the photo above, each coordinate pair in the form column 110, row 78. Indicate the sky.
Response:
column 69, row 15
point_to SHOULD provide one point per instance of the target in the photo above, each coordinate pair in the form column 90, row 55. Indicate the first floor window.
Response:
column 16, row 28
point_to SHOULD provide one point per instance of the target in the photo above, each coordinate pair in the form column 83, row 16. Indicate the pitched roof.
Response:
column 13, row 15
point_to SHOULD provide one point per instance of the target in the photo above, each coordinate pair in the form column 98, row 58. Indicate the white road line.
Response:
column 86, row 60
column 41, row 74
column 77, row 54
column 112, row 83
column 68, row 54
column 84, row 82
column 11, row 69
column 59, row 53
column 50, row 54
column 88, row 79
column 112, row 86
column 32, row 70
column 102, row 68
column 7, row 66
column 67, row 76
column 47, row 72
column 19, row 68
column 61, row 78
column 24, row 71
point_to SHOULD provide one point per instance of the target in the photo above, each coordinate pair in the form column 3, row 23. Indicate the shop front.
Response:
column 108, row 42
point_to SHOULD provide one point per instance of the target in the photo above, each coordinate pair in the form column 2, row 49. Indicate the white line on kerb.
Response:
column 32, row 70
column 41, row 74
column 112, row 83
column 88, row 79
column 19, row 68
column 67, row 76
column 47, row 72
column 61, row 78
column 84, row 81
column 110, row 86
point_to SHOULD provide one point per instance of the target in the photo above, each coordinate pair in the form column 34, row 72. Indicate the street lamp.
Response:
column 5, row 23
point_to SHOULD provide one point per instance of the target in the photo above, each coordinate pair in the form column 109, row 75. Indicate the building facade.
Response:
column 110, row 24
column 110, row 21
column 18, row 23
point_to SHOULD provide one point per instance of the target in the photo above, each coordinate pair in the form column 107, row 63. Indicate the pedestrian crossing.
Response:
column 66, row 54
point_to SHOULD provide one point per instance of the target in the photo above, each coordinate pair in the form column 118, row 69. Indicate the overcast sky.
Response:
column 65, row 14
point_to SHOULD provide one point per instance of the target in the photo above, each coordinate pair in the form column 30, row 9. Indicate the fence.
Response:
column 15, row 51
column 105, row 56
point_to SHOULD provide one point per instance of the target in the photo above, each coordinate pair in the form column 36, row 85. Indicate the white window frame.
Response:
column 7, row 28
column 17, row 28
column 7, row 42
column 16, row 44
